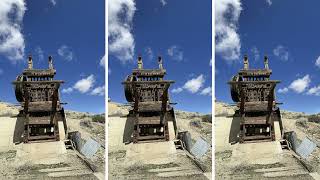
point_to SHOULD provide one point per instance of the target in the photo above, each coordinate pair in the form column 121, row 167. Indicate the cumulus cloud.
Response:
column 175, row 52
column 194, row 84
column 269, row 2
column 300, row 85
column 53, row 2
column 227, row 39
column 283, row 90
column 163, row 2
column 149, row 52
column 102, row 61
column 98, row 91
column 314, row 91
column 206, row 91
column 84, row 85
column 67, row 90
column 121, row 40
column 255, row 52
column 281, row 52
column 177, row 90
column 39, row 53
column 210, row 63
column 65, row 52
column 318, row 62
column 12, row 42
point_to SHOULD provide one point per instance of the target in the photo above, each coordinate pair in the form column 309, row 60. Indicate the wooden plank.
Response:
column 256, row 137
column 151, row 137
column 41, row 137
column 254, row 120
column 149, row 120
column 39, row 120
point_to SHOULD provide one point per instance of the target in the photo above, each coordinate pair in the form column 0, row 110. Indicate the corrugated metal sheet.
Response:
column 199, row 148
column 306, row 148
column 90, row 148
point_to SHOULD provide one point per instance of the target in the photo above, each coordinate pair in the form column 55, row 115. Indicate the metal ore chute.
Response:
column 254, row 93
column 38, row 94
column 147, row 92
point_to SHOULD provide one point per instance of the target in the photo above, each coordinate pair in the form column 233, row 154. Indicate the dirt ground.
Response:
column 264, row 160
column 159, row 160
column 45, row 160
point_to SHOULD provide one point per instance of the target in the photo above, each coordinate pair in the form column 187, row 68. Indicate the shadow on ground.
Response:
column 235, row 129
column 128, row 130
column 18, row 130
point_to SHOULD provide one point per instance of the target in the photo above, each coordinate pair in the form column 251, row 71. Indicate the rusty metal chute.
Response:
column 147, row 91
column 254, row 93
column 38, row 94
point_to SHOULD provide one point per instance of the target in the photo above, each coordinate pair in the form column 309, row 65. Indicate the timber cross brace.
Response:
column 254, row 93
column 38, row 94
column 147, row 91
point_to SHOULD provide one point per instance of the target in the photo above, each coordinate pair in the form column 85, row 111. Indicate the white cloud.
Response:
column 12, row 42
column 149, row 52
column 210, row 63
column 281, row 52
column 84, row 85
column 318, row 62
column 314, row 91
column 206, row 91
column 102, row 61
column 283, row 90
column 163, row 2
column 121, row 40
column 177, row 90
column 53, row 2
column 65, row 52
column 227, row 39
column 269, row 2
column 99, row 91
column 194, row 84
column 175, row 52
column 109, row 70
column 300, row 85
column 39, row 53
column 67, row 90
column 255, row 53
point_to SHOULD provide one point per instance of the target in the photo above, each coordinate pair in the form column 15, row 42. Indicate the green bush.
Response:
column 207, row 118
column 314, row 118
column 100, row 118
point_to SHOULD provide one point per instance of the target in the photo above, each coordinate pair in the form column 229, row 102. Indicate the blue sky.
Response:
column 287, row 32
column 179, row 31
column 72, row 32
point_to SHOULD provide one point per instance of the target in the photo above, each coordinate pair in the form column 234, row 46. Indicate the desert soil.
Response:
column 159, row 160
column 46, row 160
column 264, row 160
